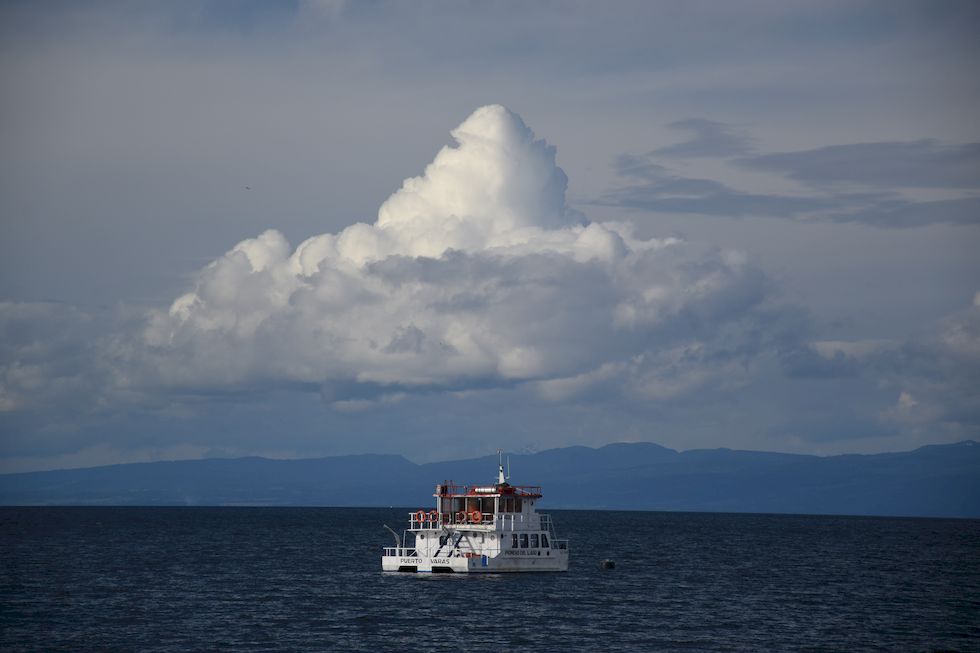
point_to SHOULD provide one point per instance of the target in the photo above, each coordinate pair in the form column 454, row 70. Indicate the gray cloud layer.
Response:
column 877, row 170
column 925, row 163
column 660, row 189
column 709, row 138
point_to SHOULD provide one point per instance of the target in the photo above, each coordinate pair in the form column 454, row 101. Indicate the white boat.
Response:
column 478, row 529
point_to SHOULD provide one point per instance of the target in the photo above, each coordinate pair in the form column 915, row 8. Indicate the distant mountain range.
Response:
column 932, row 481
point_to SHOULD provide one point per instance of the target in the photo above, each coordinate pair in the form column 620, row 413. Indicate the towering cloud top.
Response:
column 497, row 187
column 499, row 178
column 476, row 273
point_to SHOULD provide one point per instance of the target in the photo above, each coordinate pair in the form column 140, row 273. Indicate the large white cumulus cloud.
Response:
column 475, row 273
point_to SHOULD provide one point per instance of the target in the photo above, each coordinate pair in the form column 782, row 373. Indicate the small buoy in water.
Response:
column 607, row 564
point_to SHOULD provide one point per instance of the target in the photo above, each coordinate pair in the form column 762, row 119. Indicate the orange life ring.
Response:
column 476, row 517
column 461, row 517
column 420, row 516
column 433, row 516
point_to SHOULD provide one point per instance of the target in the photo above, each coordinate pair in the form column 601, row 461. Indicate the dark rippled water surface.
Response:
column 241, row 579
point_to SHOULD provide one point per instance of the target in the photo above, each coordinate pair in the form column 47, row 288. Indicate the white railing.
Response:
column 506, row 521
column 401, row 552
column 549, row 526
column 446, row 519
column 510, row 521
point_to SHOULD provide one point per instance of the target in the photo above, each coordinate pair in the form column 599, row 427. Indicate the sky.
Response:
column 436, row 229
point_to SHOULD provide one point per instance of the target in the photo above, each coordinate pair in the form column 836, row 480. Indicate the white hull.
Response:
column 478, row 564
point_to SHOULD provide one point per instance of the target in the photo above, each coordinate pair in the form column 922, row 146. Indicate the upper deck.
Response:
column 451, row 489
column 499, row 506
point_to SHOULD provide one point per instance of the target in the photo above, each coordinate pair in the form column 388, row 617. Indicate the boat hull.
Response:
column 477, row 564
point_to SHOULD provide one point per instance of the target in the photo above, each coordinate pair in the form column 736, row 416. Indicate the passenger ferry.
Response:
column 478, row 529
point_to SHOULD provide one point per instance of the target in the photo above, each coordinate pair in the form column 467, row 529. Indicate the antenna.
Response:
column 508, row 468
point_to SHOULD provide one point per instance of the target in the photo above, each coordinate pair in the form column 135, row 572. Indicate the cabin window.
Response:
column 486, row 505
column 513, row 541
column 523, row 540
column 544, row 541
column 442, row 540
column 534, row 540
column 518, row 504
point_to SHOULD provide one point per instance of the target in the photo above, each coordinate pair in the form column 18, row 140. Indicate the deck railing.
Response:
column 402, row 552
column 549, row 526
column 507, row 521
column 446, row 519
column 511, row 521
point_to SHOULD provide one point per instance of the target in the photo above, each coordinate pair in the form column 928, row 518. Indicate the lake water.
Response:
column 243, row 579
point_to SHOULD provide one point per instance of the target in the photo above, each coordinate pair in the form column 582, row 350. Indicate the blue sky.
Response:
column 747, row 225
